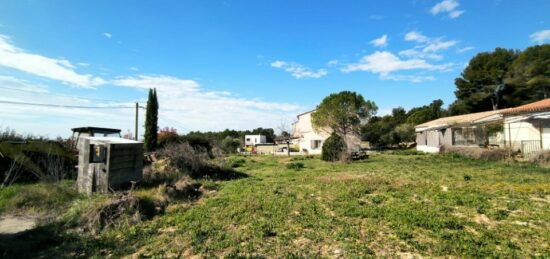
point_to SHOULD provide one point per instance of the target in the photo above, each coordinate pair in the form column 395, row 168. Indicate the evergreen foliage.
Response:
column 151, row 122
column 334, row 148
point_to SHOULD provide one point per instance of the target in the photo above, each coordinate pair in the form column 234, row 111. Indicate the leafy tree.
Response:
column 167, row 136
column 229, row 145
column 404, row 133
column 151, row 121
column 334, row 148
column 529, row 75
column 343, row 112
column 419, row 115
column 482, row 83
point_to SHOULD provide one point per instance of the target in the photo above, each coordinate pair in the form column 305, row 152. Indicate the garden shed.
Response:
column 107, row 163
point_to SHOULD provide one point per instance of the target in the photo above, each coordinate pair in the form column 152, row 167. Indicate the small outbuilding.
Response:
column 108, row 163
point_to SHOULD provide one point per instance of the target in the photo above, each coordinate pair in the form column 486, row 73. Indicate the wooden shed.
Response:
column 108, row 163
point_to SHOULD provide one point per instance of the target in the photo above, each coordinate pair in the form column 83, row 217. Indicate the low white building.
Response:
column 253, row 140
column 527, row 127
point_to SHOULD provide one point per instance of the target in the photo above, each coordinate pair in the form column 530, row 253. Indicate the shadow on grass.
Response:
column 29, row 243
column 219, row 174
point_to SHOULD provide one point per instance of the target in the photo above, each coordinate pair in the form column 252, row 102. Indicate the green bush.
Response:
column 237, row 162
column 295, row 166
column 334, row 148
column 230, row 145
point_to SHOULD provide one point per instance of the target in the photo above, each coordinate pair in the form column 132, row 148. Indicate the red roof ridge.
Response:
column 538, row 106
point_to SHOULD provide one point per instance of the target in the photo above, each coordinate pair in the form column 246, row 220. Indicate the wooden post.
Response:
column 136, row 126
column 540, row 135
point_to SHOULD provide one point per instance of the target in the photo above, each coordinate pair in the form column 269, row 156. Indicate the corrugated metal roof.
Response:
column 456, row 120
column 543, row 105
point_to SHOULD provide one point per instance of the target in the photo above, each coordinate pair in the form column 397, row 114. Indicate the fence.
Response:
column 530, row 147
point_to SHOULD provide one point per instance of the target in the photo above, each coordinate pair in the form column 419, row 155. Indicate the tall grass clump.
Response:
column 541, row 158
column 478, row 153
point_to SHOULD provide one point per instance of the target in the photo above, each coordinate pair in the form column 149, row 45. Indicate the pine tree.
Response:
column 151, row 121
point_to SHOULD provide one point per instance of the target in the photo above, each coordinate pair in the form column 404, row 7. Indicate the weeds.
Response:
column 392, row 204
column 296, row 166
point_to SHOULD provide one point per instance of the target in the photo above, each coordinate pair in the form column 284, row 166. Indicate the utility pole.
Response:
column 136, row 127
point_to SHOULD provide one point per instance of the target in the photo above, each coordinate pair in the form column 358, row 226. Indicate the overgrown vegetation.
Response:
column 497, row 154
column 389, row 206
column 30, row 158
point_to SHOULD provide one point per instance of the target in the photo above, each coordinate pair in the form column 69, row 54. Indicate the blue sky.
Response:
column 241, row 64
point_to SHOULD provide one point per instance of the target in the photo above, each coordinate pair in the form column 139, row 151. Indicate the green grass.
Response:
column 386, row 206
column 37, row 198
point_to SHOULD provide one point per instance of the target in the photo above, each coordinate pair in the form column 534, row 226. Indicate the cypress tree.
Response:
column 151, row 121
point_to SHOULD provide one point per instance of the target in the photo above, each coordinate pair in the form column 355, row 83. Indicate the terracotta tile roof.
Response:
column 457, row 120
column 543, row 105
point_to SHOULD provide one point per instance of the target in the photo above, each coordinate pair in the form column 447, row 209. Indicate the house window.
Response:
column 248, row 140
column 315, row 144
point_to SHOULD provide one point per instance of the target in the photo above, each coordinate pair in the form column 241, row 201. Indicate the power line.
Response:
column 66, row 106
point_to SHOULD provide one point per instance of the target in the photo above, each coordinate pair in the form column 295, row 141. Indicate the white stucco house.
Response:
column 253, row 140
column 310, row 140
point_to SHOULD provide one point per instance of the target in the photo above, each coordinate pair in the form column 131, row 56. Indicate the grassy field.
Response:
column 390, row 205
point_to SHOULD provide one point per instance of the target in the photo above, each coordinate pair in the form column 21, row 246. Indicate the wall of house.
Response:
column 251, row 140
column 266, row 149
column 303, row 129
column 431, row 141
column 527, row 134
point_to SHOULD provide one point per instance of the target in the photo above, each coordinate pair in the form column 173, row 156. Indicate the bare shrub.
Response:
column 478, row 153
column 12, row 173
column 186, row 159
column 541, row 158
column 121, row 210
column 183, row 189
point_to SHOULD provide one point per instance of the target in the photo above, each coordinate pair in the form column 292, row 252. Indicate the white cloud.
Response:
column 16, row 84
column 415, row 36
column 299, row 71
column 183, row 105
column 82, row 64
column 107, row 35
column 449, row 7
column 456, row 14
column 134, row 68
column 540, row 36
column 462, row 50
column 380, row 42
column 384, row 63
column 56, row 69
column 427, row 47
column 438, row 45
column 333, row 62
column 410, row 78
column 185, row 101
